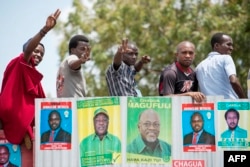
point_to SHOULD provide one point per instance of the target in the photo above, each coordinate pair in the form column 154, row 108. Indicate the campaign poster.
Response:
column 99, row 129
column 10, row 153
column 198, row 127
column 233, row 125
column 56, row 125
column 149, row 130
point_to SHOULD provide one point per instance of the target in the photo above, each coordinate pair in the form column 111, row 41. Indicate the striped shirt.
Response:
column 121, row 82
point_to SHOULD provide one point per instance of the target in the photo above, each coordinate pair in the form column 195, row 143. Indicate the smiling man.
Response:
column 147, row 142
column 217, row 73
column 56, row 133
column 199, row 135
column 5, row 157
column 101, row 143
column 17, row 101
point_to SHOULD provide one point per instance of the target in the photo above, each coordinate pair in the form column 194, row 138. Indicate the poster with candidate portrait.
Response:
column 233, row 125
column 99, row 131
column 10, row 154
column 56, row 125
column 149, row 130
column 198, row 127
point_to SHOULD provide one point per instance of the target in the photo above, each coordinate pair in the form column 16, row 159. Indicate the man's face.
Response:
column 185, row 54
column 226, row 47
column 37, row 54
column 232, row 120
column 149, row 126
column 4, row 155
column 197, row 123
column 101, row 123
column 80, row 49
column 131, row 55
column 54, row 121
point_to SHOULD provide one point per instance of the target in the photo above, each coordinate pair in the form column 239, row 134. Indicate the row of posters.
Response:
column 144, row 125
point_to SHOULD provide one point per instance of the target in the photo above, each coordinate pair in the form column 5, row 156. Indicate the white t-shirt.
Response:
column 70, row 83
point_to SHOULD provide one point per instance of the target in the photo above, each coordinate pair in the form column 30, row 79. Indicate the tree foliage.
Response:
column 156, row 26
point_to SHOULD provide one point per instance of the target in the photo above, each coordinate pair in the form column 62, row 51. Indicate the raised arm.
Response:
column 82, row 59
column 144, row 60
column 34, row 41
column 119, row 54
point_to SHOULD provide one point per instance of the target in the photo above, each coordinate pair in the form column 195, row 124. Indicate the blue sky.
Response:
column 21, row 20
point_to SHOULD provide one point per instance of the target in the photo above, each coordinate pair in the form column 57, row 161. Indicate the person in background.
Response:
column 56, row 132
column 147, row 142
column 70, row 81
column 199, row 134
column 120, row 75
column 217, row 73
column 179, row 79
column 5, row 157
column 21, row 85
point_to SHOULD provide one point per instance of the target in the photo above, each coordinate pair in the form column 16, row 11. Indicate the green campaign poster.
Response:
column 149, row 130
column 234, row 125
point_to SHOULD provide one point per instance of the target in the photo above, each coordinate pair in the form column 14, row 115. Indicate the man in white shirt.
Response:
column 217, row 73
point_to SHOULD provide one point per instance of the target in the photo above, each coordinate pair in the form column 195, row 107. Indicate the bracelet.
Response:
column 42, row 32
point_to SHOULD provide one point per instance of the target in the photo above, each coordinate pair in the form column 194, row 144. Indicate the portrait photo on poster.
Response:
column 233, row 125
column 56, row 128
column 99, row 129
column 149, row 130
column 198, row 130
column 10, row 155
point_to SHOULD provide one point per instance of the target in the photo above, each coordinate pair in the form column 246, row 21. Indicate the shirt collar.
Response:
column 6, row 164
column 188, row 71
column 56, row 131
column 213, row 53
column 199, row 133
column 142, row 146
column 96, row 137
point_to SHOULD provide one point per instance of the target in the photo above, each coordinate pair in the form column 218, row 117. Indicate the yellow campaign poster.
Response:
column 99, row 129
column 149, row 130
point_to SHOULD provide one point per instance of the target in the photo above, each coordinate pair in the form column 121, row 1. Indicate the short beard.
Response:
column 232, row 128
